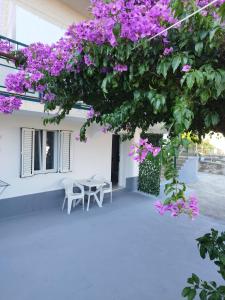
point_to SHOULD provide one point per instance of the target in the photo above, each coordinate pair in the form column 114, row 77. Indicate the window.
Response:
column 38, row 150
column 45, row 151
column 50, row 150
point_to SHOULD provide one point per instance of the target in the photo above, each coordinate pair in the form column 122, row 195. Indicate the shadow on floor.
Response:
column 123, row 251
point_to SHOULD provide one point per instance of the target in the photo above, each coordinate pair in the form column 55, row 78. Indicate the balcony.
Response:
column 7, row 67
column 81, row 6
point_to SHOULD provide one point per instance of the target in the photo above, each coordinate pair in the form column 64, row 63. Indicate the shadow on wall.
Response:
column 188, row 173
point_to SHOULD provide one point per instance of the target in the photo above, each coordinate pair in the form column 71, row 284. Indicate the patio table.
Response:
column 92, row 183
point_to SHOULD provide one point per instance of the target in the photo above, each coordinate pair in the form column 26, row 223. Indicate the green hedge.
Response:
column 149, row 170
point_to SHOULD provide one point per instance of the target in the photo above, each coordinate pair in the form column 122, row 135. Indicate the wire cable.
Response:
column 184, row 19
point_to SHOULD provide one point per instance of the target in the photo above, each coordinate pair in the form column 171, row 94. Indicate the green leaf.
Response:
column 195, row 278
column 186, row 123
column 163, row 67
column 190, row 80
column 221, row 289
column 104, row 84
column 222, row 258
column 203, row 34
column 190, row 280
column 192, row 294
column 203, row 251
column 218, row 79
column 215, row 118
column 137, row 95
column 204, row 96
column 212, row 33
column 199, row 47
column 203, row 295
column 186, row 291
column 176, row 62
column 199, row 77
column 214, row 296
column 222, row 11
column 141, row 69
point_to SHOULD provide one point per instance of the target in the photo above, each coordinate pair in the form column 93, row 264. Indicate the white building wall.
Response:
column 128, row 167
column 91, row 158
column 36, row 20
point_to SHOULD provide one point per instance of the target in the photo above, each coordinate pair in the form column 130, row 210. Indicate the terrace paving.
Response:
column 123, row 251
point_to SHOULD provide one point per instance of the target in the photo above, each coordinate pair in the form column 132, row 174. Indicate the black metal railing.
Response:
column 3, row 186
column 7, row 67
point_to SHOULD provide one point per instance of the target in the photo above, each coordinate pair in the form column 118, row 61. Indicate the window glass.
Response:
column 38, row 146
column 50, row 150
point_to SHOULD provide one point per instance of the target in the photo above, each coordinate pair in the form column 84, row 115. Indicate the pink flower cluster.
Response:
column 186, row 68
column 189, row 207
column 9, row 104
column 137, row 19
column 87, row 60
column 78, row 138
column 202, row 3
column 5, row 46
column 106, row 128
column 18, row 82
column 92, row 113
column 142, row 149
column 168, row 51
column 120, row 68
column 53, row 59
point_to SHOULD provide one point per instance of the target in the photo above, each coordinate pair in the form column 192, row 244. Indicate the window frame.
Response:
column 60, row 149
column 43, row 154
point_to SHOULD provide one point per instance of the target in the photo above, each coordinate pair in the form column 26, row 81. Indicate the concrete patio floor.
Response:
column 124, row 251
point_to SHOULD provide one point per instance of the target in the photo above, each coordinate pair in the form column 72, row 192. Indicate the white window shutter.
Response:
column 27, row 152
column 65, row 151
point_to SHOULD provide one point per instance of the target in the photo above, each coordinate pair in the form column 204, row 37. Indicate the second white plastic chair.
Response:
column 107, row 187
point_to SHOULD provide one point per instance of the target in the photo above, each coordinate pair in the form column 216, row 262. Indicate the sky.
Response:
column 217, row 140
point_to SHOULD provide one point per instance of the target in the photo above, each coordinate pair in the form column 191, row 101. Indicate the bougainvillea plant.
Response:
column 132, row 81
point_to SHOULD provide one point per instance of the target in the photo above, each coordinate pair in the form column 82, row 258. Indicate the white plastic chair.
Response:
column 107, row 187
column 70, row 196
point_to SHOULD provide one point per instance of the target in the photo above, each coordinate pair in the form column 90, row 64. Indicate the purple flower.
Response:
column 120, row 68
column 106, row 128
column 77, row 138
column 189, row 207
column 156, row 151
column 142, row 142
column 104, row 70
column 87, row 60
column 168, row 51
column 186, row 68
column 48, row 97
column 142, row 149
column 9, row 104
column 5, row 46
column 92, row 113
column 194, row 206
column 160, row 207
